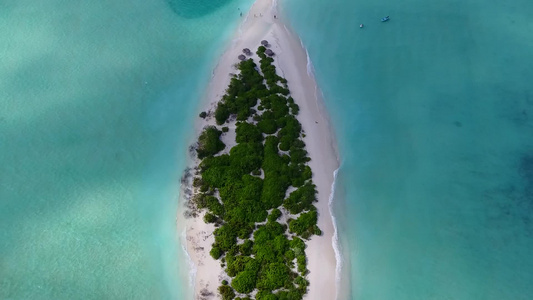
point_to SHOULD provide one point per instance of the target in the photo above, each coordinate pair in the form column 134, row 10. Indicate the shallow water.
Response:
column 96, row 102
column 433, row 116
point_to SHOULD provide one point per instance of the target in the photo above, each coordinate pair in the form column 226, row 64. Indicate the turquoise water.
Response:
column 96, row 101
column 433, row 113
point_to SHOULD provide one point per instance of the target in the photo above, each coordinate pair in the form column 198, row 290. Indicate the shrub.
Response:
column 209, row 142
column 210, row 218
column 244, row 282
column 273, row 276
column 203, row 115
column 267, row 126
column 225, row 129
column 225, row 237
column 246, row 247
column 226, row 292
column 222, row 113
column 215, row 206
column 301, row 199
column 295, row 109
column 297, row 245
column 215, row 252
column 237, row 265
column 248, row 133
column 274, row 215
column 305, row 224
column 301, row 281
column 289, row 255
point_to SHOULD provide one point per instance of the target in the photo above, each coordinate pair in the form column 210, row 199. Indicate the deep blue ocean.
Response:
column 433, row 114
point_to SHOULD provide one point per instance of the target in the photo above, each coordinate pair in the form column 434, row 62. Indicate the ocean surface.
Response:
column 97, row 99
column 433, row 112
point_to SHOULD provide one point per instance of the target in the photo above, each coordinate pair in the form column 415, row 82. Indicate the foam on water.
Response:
column 335, row 237
column 192, row 267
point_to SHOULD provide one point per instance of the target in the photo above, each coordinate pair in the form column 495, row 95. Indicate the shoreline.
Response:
column 293, row 64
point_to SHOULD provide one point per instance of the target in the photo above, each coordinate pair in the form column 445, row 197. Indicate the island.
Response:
column 260, row 184
column 260, row 194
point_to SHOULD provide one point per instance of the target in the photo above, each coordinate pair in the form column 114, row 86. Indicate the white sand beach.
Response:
column 292, row 63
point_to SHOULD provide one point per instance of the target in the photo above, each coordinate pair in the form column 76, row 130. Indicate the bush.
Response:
column 210, row 218
column 209, row 142
column 222, row 113
column 267, row 126
column 274, row 215
column 295, row 109
column 297, row 245
column 301, row 260
column 289, row 255
column 305, row 224
column 203, row 115
column 248, row 133
column 225, row 129
column 237, row 264
column 244, row 282
column 215, row 252
column 301, row 199
column 226, row 292
column 274, row 276
column 246, row 247
column 225, row 237
column 301, row 281
column 214, row 206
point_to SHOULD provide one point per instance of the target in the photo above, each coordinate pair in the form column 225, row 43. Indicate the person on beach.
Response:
column 241, row 13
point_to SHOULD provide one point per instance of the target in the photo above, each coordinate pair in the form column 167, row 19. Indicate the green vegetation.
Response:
column 209, row 142
column 249, row 185
column 226, row 292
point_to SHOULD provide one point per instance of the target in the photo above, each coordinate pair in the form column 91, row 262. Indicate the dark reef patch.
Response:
column 191, row 9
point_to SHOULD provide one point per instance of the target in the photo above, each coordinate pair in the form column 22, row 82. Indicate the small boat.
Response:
column 361, row 26
column 385, row 19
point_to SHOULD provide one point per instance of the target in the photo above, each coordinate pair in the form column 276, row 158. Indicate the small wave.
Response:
column 335, row 238
column 192, row 266
column 274, row 6
column 310, row 68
